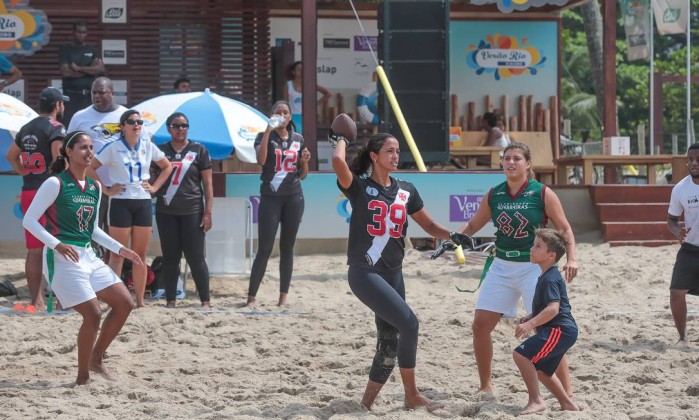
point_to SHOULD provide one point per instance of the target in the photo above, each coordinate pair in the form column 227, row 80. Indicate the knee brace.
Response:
column 385, row 356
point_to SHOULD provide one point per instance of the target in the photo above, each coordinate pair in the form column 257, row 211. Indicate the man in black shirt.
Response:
column 80, row 65
column 36, row 146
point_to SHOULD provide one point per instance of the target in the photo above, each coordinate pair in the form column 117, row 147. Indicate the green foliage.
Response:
column 633, row 106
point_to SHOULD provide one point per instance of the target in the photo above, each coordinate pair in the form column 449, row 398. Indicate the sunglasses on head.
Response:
column 179, row 125
column 134, row 122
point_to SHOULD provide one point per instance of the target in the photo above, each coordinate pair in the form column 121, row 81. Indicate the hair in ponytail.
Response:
column 363, row 162
column 60, row 164
column 526, row 152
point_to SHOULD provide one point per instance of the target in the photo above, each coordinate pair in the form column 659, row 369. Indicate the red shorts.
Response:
column 25, row 200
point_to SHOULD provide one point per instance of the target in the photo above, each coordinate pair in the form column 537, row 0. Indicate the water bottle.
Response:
column 276, row 120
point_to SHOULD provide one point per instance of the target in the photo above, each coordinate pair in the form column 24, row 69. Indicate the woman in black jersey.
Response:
column 378, row 225
column 284, row 159
column 183, row 209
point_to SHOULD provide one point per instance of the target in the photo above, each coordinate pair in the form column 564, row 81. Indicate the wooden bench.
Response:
column 538, row 141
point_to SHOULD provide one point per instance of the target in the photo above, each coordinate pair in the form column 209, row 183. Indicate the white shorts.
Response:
column 505, row 283
column 75, row 283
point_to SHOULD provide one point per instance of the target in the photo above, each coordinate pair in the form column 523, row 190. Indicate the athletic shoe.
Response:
column 159, row 294
column 180, row 294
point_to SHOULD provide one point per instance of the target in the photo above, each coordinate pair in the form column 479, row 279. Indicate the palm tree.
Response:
column 592, row 21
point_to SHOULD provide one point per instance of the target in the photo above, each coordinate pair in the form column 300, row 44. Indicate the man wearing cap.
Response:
column 36, row 146
column 80, row 63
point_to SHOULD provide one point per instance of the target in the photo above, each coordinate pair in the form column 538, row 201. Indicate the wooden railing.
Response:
column 651, row 162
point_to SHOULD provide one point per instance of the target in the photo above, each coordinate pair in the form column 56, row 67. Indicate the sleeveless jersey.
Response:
column 295, row 98
column 379, row 222
column 71, row 218
column 35, row 139
column 280, row 173
column 516, row 217
column 183, row 192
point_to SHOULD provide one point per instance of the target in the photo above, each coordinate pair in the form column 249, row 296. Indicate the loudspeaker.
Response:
column 414, row 52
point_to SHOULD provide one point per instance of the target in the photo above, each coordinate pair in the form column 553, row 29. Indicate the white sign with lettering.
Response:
column 114, row 51
column 16, row 89
column 114, row 11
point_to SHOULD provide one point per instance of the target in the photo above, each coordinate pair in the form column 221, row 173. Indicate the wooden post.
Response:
column 340, row 104
column 523, row 113
column 513, row 124
column 555, row 128
column 324, row 112
column 454, row 110
column 505, row 105
column 488, row 103
column 471, row 115
column 531, row 121
column 539, row 116
column 330, row 116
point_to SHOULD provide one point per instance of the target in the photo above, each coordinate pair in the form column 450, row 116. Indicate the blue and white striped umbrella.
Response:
column 222, row 124
column 13, row 115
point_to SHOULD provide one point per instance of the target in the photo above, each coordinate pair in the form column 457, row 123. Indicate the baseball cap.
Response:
column 51, row 95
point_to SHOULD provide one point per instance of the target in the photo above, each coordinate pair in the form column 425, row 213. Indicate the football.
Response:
column 344, row 126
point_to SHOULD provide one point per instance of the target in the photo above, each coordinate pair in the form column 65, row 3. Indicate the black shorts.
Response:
column 547, row 347
column 124, row 212
column 685, row 274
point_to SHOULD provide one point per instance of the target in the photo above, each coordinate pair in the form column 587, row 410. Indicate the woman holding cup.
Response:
column 284, row 159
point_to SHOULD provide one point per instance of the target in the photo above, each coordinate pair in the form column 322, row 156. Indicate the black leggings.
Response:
column 396, row 324
column 276, row 209
column 177, row 234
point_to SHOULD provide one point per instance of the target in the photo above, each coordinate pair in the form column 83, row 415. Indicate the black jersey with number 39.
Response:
column 280, row 173
column 379, row 222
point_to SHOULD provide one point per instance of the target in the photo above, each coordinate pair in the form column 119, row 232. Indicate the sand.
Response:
column 313, row 361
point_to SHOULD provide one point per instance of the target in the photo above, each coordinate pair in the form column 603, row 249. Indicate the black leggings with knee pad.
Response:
column 396, row 324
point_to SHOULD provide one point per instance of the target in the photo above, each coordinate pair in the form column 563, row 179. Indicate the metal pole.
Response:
column 651, row 134
column 689, row 74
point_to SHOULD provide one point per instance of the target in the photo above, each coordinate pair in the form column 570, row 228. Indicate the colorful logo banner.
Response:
column 23, row 30
column 504, row 57
column 509, row 6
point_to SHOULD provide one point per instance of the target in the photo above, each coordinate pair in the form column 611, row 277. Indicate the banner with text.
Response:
column 671, row 16
column 451, row 199
column 344, row 57
column 503, row 58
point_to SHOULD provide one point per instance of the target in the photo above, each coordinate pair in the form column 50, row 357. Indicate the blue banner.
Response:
column 450, row 198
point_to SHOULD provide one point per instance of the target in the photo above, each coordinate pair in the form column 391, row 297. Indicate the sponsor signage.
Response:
column 336, row 43
column 114, row 11
column 114, row 51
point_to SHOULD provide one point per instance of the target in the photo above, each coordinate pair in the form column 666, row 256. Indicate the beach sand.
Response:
column 313, row 361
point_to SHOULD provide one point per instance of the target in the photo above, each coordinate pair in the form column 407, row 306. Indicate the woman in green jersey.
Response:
column 75, row 274
column 517, row 207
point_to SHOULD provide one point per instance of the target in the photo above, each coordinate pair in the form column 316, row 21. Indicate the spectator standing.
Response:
column 284, row 158
column 293, row 94
column 38, row 143
column 130, row 206
column 9, row 71
column 183, row 210
column 79, row 63
column 182, row 85
column 101, row 121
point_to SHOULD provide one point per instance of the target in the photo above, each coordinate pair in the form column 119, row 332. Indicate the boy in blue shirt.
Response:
column 556, row 331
